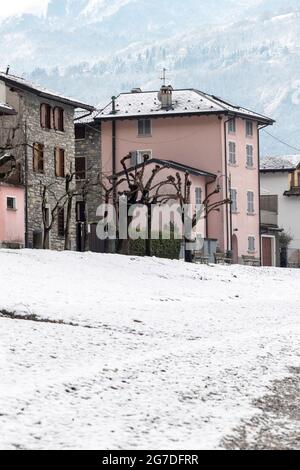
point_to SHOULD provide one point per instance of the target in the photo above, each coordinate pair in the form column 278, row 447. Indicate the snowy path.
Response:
column 173, row 357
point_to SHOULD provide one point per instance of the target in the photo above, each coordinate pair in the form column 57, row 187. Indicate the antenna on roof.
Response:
column 7, row 69
column 164, row 76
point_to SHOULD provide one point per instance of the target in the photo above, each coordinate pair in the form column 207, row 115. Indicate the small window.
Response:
column 46, row 116
column 144, row 127
column 61, row 222
column 250, row 202
column 58, row 119
column 198, row 196
column 80, row 168
column 234, row 205
column 79, row 132
column 38, row 158
column 251, row 244
column 59, row 163
column 232, row 153
column 232, row 126
column 11, row 203
column 250, row 160
column 249, row 129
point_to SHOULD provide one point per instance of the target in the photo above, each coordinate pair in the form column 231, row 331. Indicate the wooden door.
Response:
column 267, row 251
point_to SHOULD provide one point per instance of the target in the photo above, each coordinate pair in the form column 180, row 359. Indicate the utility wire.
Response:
column 282, row 141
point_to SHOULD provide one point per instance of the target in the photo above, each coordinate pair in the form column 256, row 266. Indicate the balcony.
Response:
column 293, row 191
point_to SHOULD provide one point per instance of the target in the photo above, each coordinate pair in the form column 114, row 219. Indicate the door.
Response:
column 267, row 251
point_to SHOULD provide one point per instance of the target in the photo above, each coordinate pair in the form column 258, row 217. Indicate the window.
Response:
column 232, row 126
column 234, row 205
column 46, row 116
column 198, row 196
column 249, row 129
column 251, row 244
column 232, row 153
column 250, row 160
column 58, row 114
column 80, row 168
column 144, row 127
column 59, row 163
column 61, row 222
column 250, row 202
column 11, row 203
column 38, row 158
column 79, row 132
column 139, row 156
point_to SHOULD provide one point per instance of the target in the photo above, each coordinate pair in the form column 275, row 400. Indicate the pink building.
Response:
column 12, row 222
column 200, row 131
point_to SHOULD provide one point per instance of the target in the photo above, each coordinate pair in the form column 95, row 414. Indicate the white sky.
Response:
column 15, row 7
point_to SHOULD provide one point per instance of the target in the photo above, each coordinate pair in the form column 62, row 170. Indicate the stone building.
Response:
column 41, row 136
column 88, row 168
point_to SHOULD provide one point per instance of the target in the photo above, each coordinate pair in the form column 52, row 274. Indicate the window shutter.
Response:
column 62, row 163
column 56, row 158
column 43, row 115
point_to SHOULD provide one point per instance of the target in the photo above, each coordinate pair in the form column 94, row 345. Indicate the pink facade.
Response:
column 199, row 141
column 12, row 226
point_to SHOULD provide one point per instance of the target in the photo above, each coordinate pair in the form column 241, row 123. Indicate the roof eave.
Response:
column 69, row 102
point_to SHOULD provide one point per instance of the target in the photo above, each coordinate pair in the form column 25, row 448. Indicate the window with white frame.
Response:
column 232, row 126
column 198, row 196
column 11, row 203
column 144, row 127
column 251, row 244
column 234, row 205
column 250, row 202
column 232, row 153
column 249, row 128
column 139, row 156
column 250, row 153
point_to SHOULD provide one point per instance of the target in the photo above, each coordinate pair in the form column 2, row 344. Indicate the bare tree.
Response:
column 49, row 216
column 147, row 190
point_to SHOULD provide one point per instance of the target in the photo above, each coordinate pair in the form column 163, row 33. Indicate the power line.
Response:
column 282, row 141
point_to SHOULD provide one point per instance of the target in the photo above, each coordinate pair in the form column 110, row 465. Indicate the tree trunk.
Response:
column 46, row 239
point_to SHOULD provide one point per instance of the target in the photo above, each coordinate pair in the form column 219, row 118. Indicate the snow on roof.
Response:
column 187, row 102
column 19, row 82
column 281, row 162
column 6, row 109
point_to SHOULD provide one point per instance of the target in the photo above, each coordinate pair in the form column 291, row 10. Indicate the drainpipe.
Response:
column 26, row 188
column 259, row 189
column 114, row 152
column 229, row 237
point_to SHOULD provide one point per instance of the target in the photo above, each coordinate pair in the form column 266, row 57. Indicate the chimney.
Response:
column 113, row 105
column 165, row 96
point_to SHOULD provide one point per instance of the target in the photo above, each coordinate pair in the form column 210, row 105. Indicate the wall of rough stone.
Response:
column 31, row 132
column 50, row 139
column 90, row 149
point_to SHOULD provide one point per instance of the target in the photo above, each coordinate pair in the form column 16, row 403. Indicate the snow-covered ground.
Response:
column 151, row 353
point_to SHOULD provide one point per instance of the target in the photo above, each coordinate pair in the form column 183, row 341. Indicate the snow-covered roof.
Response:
column 26, row 85
column 6, row 109
column 185, row 102
column 280, row 163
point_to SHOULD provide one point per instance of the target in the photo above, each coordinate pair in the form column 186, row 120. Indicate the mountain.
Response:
column 246, row 52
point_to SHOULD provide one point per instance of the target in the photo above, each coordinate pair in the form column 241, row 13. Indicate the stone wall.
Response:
column 30, row 133
column 90, row 149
